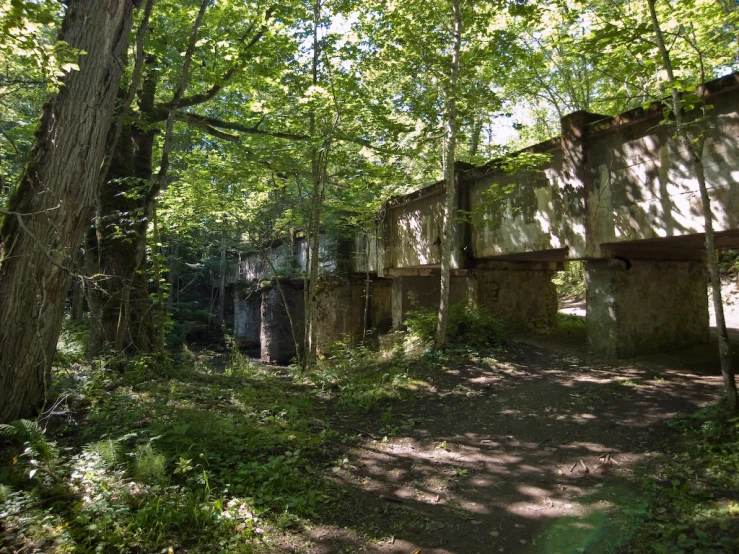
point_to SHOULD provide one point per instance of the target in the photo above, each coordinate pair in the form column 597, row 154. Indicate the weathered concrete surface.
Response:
column 609, row 188
column 368, row 252
column 277, row 343
column 650, row 306
column 335, row 254
column 248, row 316
column 381, row 311
column 609, row 181
column 340, row 311
column 523, row 295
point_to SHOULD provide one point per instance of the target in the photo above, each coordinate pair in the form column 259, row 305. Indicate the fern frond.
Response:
column 9, row 431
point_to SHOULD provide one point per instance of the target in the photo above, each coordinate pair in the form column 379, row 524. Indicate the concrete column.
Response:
column 277, row 344
column 644, row 306
column 247, row 317
column 522, row 294
column 471, row 289
column 396, row 303
column 340, row 311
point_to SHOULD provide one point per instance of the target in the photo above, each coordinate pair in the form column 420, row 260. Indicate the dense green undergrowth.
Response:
column 466, row 325
column 692, row 502
column 210, row 453
column 214, row 453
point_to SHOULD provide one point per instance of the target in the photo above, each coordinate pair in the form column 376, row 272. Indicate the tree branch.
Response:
column 132, row 89
column 202, row 121
column 162, row 110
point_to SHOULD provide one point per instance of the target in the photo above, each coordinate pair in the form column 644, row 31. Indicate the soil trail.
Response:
column 530, row 455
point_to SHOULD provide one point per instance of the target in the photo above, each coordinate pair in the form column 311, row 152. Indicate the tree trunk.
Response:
column 122, row 318
column 161, row 317
column 54, row 202
column 222, row 283
column 309, row 350
column 694, row 148
column 367, row 284
column 450, row 179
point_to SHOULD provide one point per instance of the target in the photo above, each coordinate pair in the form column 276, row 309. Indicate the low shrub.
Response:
column 466, row 325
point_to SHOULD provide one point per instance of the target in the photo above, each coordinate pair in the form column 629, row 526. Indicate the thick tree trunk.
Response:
column 450, row 179
column 54, row 202
column 122, row 317
column 126, row 317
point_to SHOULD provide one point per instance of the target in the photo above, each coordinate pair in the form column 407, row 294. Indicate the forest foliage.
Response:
column 285, row 120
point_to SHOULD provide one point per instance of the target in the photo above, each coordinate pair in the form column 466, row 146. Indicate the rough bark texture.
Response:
column 53, row 204
column 127, row 206
column 119, row 303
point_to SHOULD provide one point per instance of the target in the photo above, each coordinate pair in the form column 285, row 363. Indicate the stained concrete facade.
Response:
column 617, row 192
column 262, row 320
column 645, row 306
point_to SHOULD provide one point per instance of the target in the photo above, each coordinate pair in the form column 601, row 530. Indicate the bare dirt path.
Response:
column 534, row 454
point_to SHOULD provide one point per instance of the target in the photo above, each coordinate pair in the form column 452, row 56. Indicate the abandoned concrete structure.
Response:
column 616, row 192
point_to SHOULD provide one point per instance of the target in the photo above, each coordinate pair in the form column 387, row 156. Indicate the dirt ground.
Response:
column 534, row 454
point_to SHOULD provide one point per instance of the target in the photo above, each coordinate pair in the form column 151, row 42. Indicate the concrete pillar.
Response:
column 381, row 313
column 247, row 316
column 396, row 303
column 340, row 311
column 277, row 343
column 644, row 306
column 522, row 294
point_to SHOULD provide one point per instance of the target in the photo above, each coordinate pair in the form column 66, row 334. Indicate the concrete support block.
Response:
column 645, row 306
column 247, row 316
column 523, row 295
column 397, row 303
column 277, row 343
column 339, row 311
column 381, row 313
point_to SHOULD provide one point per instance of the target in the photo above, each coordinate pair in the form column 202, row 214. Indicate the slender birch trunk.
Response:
column 450, row 179
column 694, row 149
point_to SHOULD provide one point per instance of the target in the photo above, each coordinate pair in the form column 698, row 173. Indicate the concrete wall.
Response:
column 334, row 255
column 412, row 233
column 340, row 311
column 543, row 211
column 609, row 180
column 368, row 252
column 381, row 310
column 649, row 306
column 644, row 183
column 248, row 316
column 523, row 295
column 277, row 343
column 340, row 306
